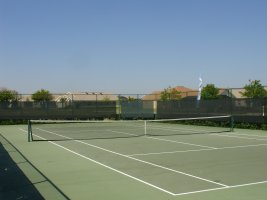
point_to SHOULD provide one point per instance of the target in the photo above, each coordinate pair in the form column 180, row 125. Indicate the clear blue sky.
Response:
column 131, row 46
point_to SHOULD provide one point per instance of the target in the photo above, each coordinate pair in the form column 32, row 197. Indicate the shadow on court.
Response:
column 14, row 184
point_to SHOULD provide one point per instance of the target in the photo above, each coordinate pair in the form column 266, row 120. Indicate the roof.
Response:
column 183, row 89
column 86, row 96
column 185, row 92
column 78, row 96
column 237, row 93
column 153, row 96
column 156, row 95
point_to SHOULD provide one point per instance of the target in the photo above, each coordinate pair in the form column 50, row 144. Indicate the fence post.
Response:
column 72, row 107
column 263, row 116
column 96, row 105
column 231, row 101
column 118, row 107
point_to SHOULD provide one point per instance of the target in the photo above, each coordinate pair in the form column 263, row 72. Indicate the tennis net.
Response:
column 56, row 130
column 189, row 126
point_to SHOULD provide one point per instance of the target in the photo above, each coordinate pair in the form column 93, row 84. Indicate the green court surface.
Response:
column 221, row 166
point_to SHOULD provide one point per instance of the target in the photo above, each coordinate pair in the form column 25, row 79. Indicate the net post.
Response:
column 29, row 131
column 231, row 123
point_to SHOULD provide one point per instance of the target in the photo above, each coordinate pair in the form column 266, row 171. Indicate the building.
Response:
column 185, row 93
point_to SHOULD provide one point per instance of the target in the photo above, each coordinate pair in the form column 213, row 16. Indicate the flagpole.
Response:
column 199, row 91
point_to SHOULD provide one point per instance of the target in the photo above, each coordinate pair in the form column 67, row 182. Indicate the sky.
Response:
column 131, row 46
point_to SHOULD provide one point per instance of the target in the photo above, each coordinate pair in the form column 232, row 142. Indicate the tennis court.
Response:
column 140, row 160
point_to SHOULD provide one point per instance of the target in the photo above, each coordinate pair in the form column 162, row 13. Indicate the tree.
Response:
column 210, row 92
column 170, row 94
column 42, row 96
column 131, row 98
column 8, row 96
column 254, row 90
column 63, row 101
column 106, row 98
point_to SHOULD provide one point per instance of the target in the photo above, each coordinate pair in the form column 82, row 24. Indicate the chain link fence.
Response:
column 132, row 106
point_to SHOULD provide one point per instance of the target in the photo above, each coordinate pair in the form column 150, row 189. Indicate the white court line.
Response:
column 169, row 152
column 123, row 133
column 106, row 166
column 149, row 184
column 221, row 188
column 197, row 150
column 156, row 138
column 251, row 135
column 142, row 161
column 247, row 138
column 233, row 135
column 165, row 140
column 95, row 130
column 175, row 129
column 173, row 141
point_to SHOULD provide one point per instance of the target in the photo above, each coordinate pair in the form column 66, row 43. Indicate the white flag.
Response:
column 199, row 89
